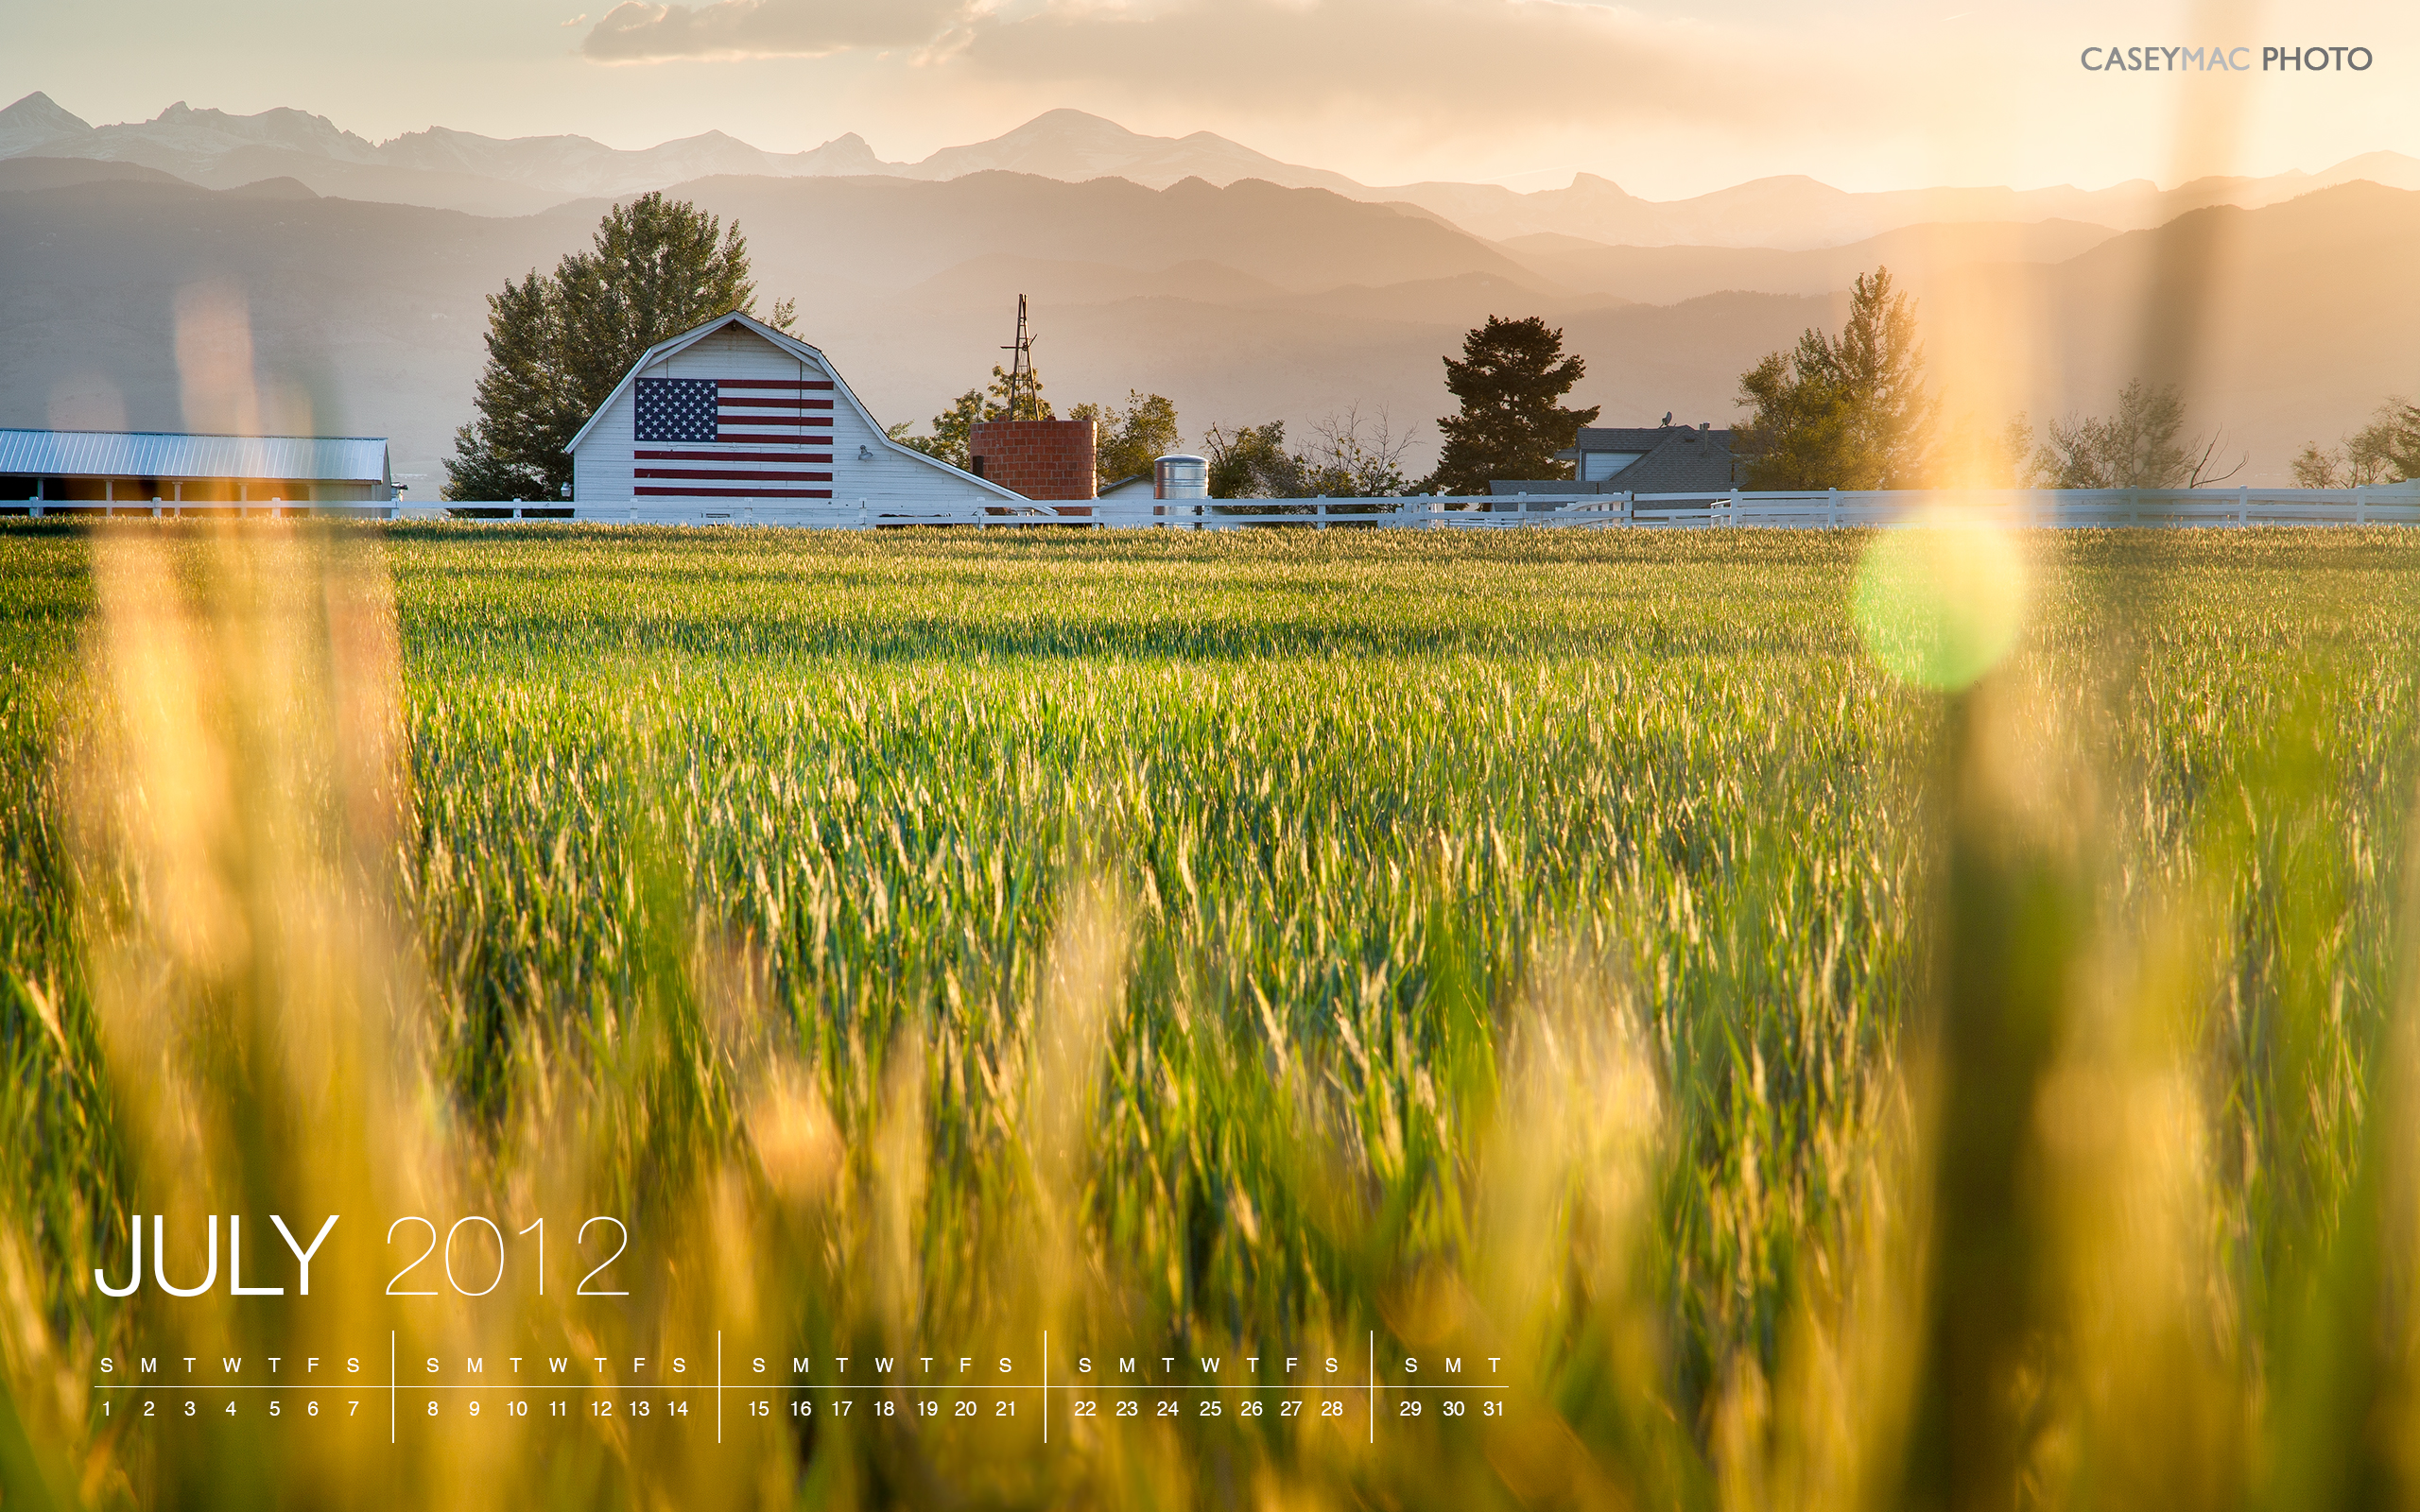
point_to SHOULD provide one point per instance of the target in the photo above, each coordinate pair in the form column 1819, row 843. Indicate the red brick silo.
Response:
column 1039, row 458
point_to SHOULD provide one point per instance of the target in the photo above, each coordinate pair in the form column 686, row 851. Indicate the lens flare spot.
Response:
column 1941, row 602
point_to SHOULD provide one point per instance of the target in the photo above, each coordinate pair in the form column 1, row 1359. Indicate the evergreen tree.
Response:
column 1845, row 412
column 1510, row 425
column 558, row 343
column 513, row 450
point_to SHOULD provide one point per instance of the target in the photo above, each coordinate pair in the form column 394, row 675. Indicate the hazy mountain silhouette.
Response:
column 1243, row 304
column 1798, row 213
column 1915, row 254
column 462, row 170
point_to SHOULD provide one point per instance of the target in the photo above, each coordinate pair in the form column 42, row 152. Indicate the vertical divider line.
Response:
column 1374, row 1385
column 392, row 1386
column 717, row 1385
column 1046, row 1386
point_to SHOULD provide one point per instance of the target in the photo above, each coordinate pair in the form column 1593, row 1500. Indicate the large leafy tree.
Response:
column 559, row 342
column 1511, row 379
column 1131, row 440
column 1251, row 462
column 2141, row 446
column 1842, row 412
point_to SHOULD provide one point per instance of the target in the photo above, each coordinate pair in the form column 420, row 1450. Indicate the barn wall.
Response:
column 602, row 469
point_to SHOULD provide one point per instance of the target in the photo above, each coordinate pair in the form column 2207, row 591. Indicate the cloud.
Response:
column 1456, row 62
column 1506, row 55
column 1461, row 88
column 635, row 32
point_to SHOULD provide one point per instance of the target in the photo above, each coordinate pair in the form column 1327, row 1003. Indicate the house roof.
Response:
column 1672, row 459
column 797, row 348
column 1687, row 461
column 175, row 455
column 1618, row 439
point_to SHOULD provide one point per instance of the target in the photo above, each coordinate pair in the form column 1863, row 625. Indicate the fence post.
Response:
column 2361, row 507
column 1629, row 508
column 1323, row 511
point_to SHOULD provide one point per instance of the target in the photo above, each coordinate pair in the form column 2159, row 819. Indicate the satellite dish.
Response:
column 1667, row 417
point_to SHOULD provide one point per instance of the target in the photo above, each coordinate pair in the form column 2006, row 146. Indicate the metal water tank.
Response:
column 1181, row 476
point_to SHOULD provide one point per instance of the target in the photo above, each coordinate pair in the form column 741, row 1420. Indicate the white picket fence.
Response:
column 2043, row 508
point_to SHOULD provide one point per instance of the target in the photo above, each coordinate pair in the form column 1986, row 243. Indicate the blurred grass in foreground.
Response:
column 1824, row 1092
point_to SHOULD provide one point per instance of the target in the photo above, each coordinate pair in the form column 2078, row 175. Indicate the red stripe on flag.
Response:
column 728, row 456
column 727, row 475
column 733, row 493
column 817, row 383
column 727, row 403
column 776, row 419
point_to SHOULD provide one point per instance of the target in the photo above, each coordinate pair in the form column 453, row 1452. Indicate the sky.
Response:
column 1666, row 99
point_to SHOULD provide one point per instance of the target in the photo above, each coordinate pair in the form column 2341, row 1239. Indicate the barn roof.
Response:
column 797, row 348
column 176, row 454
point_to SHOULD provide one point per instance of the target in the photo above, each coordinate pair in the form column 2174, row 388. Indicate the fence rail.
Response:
column 2039, row 509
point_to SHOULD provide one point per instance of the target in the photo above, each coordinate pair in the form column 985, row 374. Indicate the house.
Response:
column 84, row 472
column 1639, row 459
column 736, row 409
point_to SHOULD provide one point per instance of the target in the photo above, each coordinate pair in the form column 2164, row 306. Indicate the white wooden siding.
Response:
column 864, row 463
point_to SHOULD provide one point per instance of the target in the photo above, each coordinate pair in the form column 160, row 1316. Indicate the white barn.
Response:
column 736, row 410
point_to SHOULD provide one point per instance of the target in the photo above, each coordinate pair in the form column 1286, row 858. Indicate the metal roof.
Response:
column 1628, row 439
column 171, row 454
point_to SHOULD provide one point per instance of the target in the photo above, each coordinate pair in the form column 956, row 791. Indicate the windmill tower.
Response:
column 1024, row 396
column 1044, row 459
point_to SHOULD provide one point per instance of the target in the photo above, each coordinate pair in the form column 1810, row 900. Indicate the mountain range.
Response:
column 460, row 170
column 1241, row 296
column 1242, row 303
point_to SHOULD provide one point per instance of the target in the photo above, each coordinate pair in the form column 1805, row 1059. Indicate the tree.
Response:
column 558, row 343
column 1844, row 412
column 510, row 451
column 954, row 428
column 1348, row 458
column 1344, row 461
column 1251, row 462
column 2385, row 451
column 2142, row 446
column 1131, row 440
column 1510, row 425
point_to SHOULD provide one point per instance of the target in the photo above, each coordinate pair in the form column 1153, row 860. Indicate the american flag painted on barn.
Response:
column 733, row 438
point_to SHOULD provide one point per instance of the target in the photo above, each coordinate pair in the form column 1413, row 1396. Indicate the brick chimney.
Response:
column 1039, row 458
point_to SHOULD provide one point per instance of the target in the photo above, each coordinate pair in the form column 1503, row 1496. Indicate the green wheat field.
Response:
column 1832, row 1058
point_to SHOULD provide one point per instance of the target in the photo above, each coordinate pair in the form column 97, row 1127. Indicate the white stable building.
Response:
column 736, row 410
column 68, row 472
